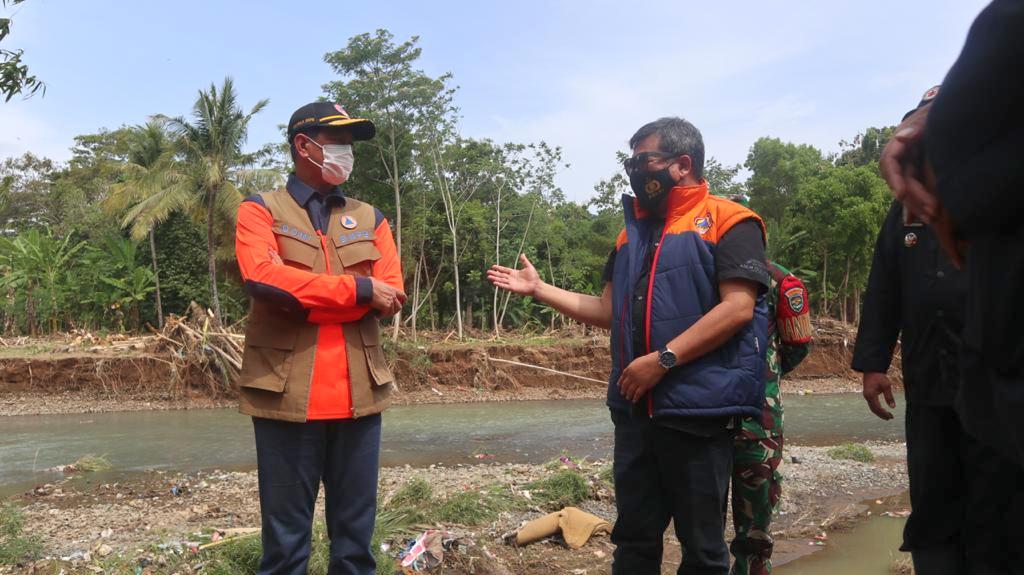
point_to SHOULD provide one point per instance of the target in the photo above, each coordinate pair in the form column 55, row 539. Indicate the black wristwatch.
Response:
column 667, row 358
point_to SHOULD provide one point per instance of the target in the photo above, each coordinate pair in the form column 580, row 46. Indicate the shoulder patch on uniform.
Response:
column 795, row 299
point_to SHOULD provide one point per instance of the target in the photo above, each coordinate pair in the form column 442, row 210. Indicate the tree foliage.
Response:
column 73, row 236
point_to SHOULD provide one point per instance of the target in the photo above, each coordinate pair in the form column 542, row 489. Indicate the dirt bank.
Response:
column 58, row 376
column 153, row 516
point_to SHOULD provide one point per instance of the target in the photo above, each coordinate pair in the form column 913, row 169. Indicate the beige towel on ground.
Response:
column 577, row 527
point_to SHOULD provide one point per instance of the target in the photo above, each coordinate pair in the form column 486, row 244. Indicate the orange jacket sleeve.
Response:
column 387, row 269
column 295, row 290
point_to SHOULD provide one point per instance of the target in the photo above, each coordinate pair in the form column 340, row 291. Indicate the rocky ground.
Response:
column 155, row 517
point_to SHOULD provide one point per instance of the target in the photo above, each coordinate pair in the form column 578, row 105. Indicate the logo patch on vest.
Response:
column 348, row 222
column 910, row 240
column 795, row 297
column 703, row 223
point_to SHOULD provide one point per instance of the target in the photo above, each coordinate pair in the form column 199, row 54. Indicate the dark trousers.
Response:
column 965, row 498
column 663, row 474
column 292, row 459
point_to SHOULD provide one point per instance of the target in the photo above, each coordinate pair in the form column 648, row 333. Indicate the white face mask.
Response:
column 338, row 162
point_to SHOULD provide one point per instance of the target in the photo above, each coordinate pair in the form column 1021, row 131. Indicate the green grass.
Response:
column 607, row 475
column 92, row 463
column 15, row 547
column 852, row 452
column 417, row 356
column 416, row 493
column 242, row 555
column 477, row 507
column 560, row 490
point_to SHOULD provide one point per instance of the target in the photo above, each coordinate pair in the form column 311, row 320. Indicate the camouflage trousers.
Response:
column 756, row 490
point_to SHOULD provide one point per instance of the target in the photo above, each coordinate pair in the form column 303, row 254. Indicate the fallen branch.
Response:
column 520, row 364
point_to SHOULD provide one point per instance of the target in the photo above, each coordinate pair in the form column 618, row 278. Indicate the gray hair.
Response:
column 678, row 137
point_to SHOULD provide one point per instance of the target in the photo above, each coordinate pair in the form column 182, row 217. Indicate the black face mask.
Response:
column 651, row 188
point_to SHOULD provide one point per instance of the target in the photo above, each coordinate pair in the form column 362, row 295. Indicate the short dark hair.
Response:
column 311, row 132
column 678, row 137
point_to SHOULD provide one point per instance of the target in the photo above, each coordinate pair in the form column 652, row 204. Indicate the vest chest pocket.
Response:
column 295, row 251
column 267, row 358
column 357, row 255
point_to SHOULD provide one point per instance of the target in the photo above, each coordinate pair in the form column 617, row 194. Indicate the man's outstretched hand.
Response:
column 522, row 281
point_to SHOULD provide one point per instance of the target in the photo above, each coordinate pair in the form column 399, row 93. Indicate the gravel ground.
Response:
column 137, row 516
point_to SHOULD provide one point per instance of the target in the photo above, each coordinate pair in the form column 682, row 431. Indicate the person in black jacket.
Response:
column 957, row 165
column 958, row 485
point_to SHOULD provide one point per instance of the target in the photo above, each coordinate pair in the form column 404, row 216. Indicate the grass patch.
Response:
column 852, row 452
column 560, row 490
column 92, row 463
column 477, row 507
column 242, row 556
column 607, row 475
column 15, row 548
column 416, row 356
column 416, row 493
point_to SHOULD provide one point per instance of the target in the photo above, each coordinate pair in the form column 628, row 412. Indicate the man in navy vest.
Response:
column 684, row 298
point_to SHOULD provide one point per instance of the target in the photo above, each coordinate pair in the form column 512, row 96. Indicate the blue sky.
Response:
column 582, row 75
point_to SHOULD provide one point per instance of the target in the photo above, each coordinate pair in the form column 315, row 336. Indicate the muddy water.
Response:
column 870, row 548
column 415, row 435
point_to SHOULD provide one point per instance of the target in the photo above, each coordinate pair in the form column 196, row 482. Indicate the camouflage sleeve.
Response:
column 790, row 355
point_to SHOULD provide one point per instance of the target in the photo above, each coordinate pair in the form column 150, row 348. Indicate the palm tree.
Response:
column 219, row 171
column 152, row 187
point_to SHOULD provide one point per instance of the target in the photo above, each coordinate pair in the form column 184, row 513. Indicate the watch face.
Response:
column 667, row 359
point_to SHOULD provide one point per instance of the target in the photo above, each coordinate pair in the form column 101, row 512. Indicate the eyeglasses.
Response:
column 640, row 161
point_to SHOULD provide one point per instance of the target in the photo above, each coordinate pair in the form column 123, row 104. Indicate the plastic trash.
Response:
column 426, row 552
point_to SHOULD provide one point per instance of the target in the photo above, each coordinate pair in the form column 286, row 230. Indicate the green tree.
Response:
column 37, row 269
column 152, row 187
column 776, row 171
column 379, row 81
column 25, row 184
column 722, row 179
column 215, row 164
column 840, row 211
column 14, row 75
column 865, row 148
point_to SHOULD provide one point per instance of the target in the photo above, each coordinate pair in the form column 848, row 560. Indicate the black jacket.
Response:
column 913, row 290
column 975, row 142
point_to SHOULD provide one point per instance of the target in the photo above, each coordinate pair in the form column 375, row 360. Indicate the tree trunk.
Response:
column 458, row 290
column 856, row 306
column 211, row 248
column 397, row 185
column 824, row 285
column 846, row 291
column 156, row 279
column 416, row 294
column 497, row 261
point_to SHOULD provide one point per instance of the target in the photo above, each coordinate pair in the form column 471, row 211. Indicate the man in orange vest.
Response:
column 321, row 269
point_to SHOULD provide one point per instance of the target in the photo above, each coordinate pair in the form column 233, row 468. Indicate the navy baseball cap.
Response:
column 329, row 115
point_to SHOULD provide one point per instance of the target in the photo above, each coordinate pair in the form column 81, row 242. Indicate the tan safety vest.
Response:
column 280, row 348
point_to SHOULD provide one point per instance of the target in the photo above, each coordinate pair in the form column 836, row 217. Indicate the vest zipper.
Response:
column 650, row 303
column 323, row 246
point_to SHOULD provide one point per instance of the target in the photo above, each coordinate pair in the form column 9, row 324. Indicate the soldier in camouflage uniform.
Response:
column 756, row 481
